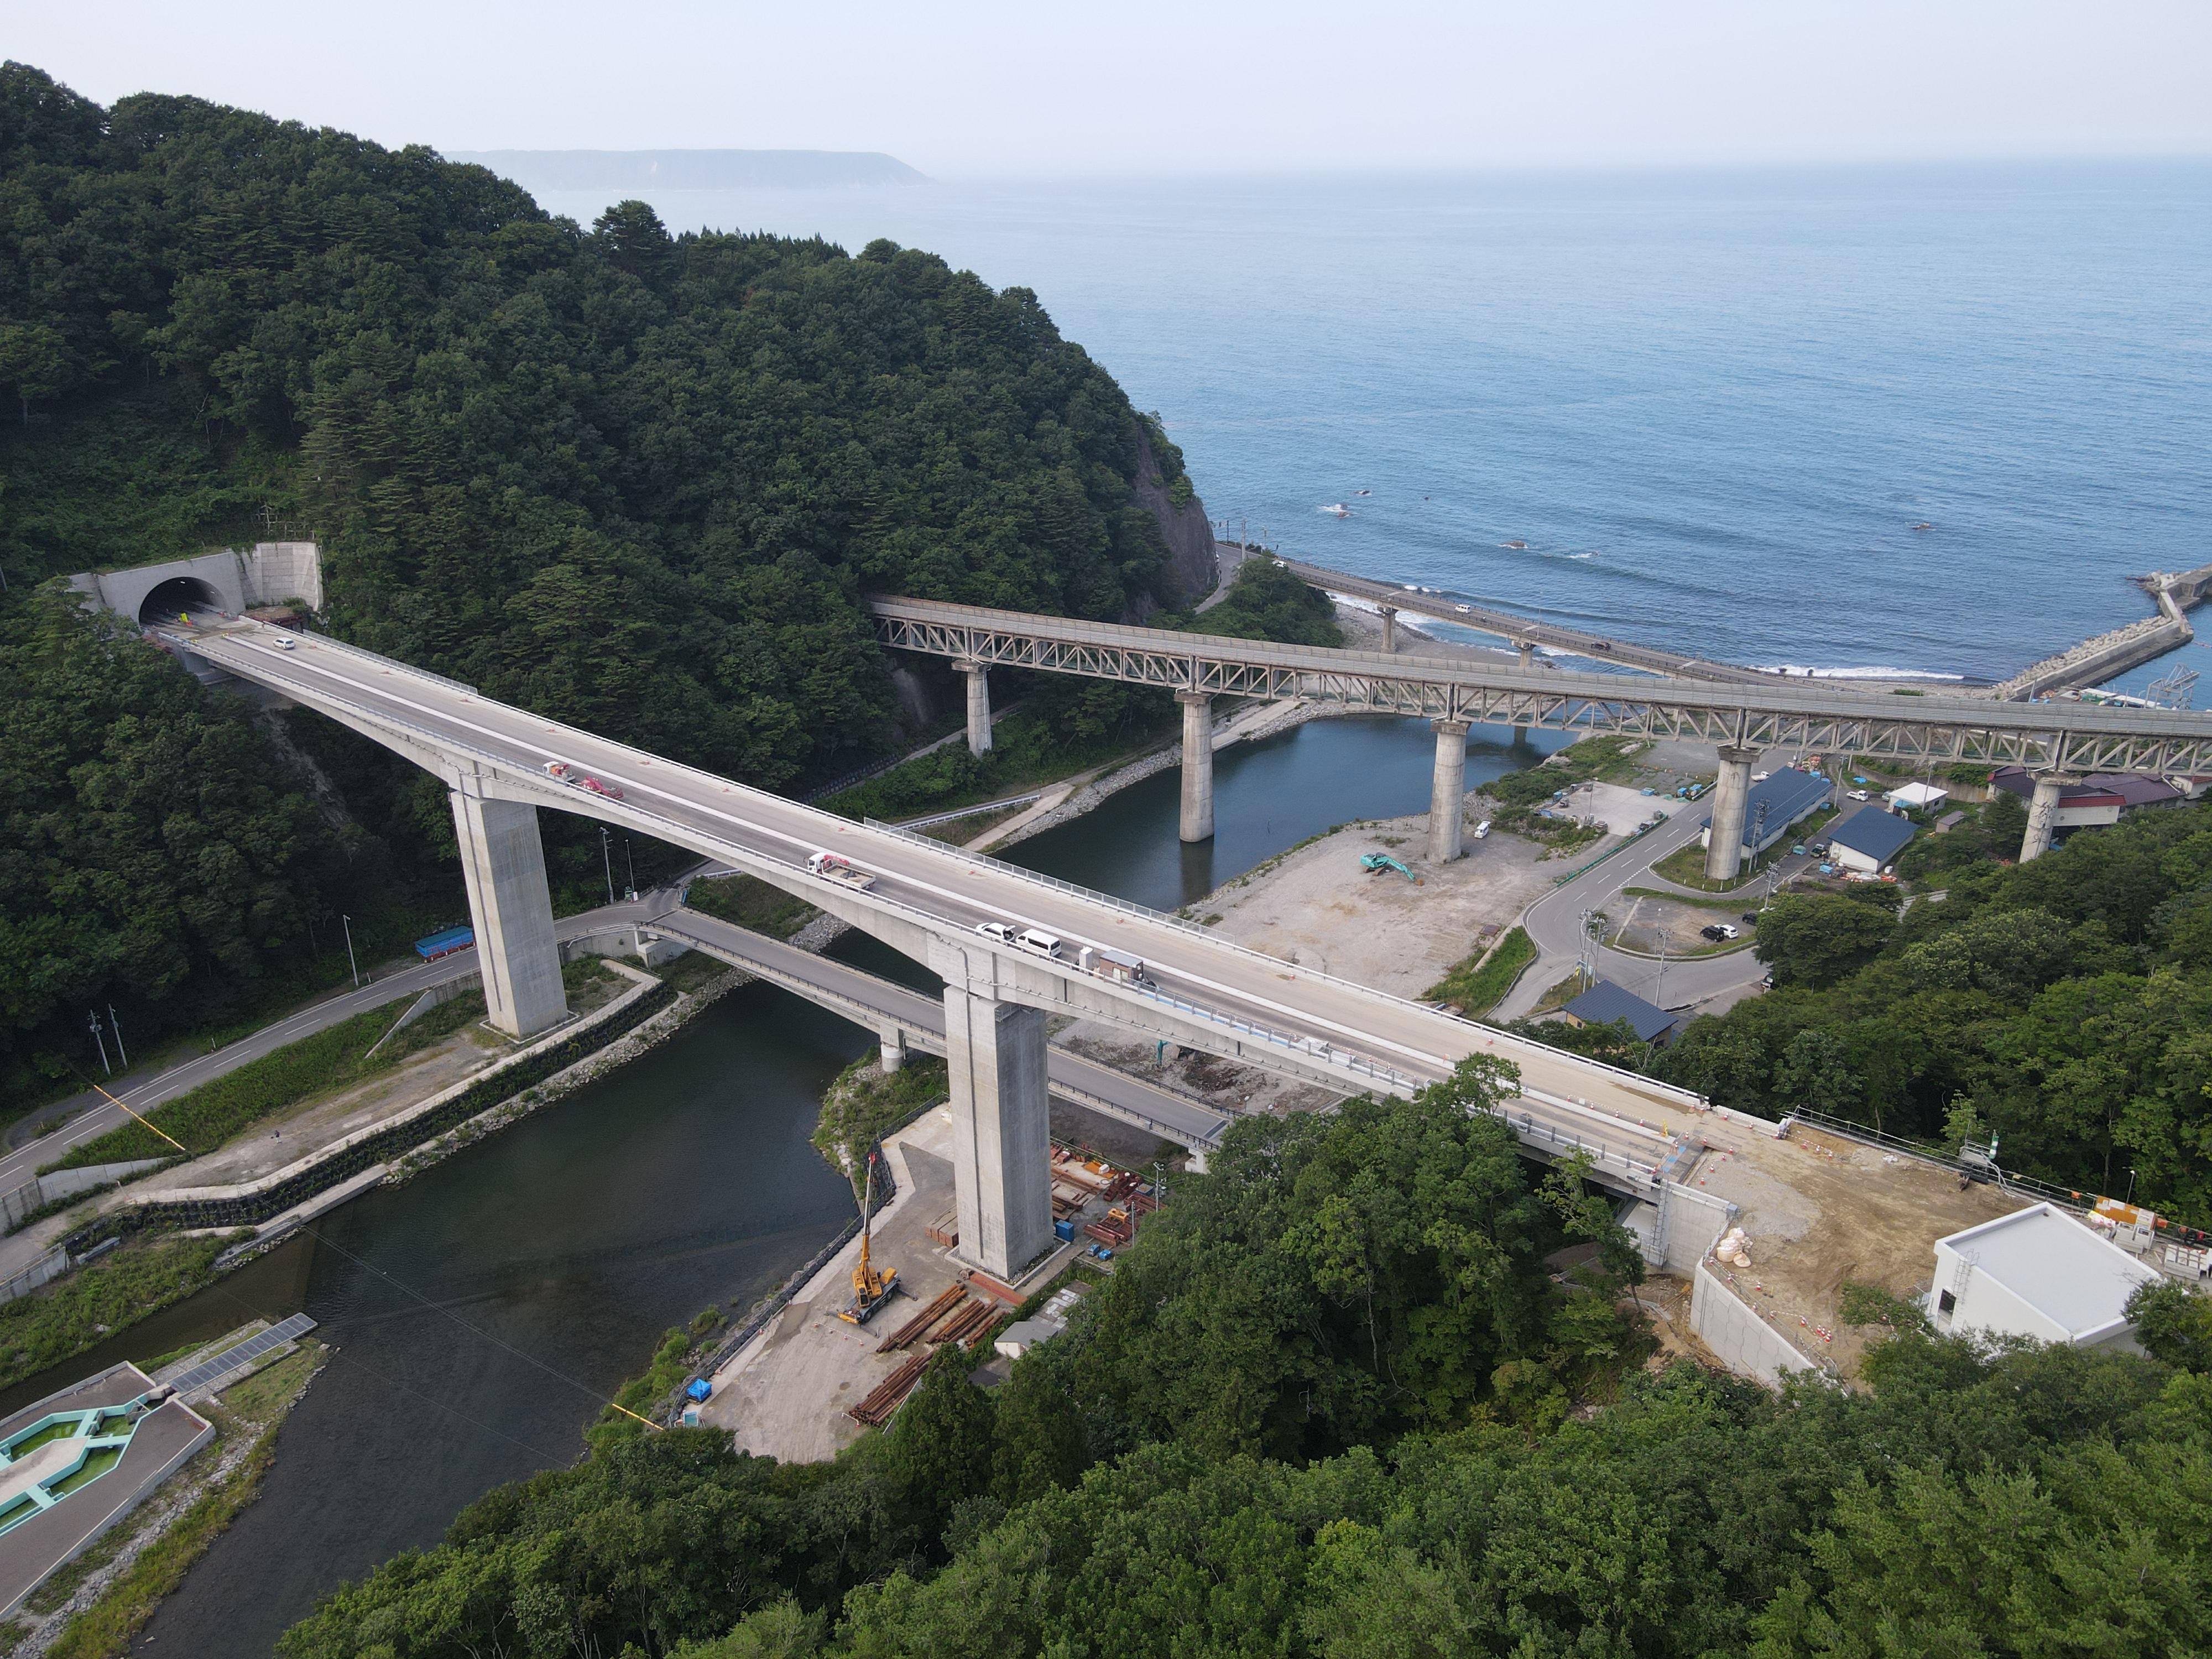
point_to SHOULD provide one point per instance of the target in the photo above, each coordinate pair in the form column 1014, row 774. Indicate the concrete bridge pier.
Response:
column 1002, row 1122
column 1527, row 654
column 892, row 1039
column 979, row 707
column 1448, row 792
column 1197, row 765
column 1390, row 627
column 2042, row 813
column 1724, row 850
column 503, row 862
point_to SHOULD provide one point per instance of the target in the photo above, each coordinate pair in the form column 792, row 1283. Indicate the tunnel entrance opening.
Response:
column 179, row 595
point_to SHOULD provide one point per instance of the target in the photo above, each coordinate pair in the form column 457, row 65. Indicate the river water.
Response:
column 480, row 1312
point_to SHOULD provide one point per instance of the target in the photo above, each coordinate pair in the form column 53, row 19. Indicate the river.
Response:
column 481, row 1311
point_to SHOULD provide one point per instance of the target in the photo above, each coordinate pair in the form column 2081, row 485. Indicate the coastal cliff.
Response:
column 1188, row 532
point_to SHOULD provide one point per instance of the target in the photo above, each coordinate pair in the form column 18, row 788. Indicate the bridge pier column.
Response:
column 2042, row 813
column 1001, row 1117
column 1724, row 849
column 1197, row 765
column 1390, row 627
column 893, row 1040
column 1528, row 661
column 1447, row 792
column 979, row 707
column 503, row 862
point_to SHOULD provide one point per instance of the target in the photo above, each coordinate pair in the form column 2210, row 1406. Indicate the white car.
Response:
column 286, row 642
column 1860, row 794
column 997, row 931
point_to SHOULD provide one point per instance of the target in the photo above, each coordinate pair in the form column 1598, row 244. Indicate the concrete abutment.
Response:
column 1447, row 791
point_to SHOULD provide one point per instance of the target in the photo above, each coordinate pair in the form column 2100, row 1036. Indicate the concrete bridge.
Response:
column 926, row 900
column 2060, row 742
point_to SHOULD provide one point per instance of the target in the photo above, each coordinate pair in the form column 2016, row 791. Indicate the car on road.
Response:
column 996, row 930
column 611, row 791
column 1860, row 794
column 286, row 642
column 1482, row 829
column 558, row 771
column 1045, row 944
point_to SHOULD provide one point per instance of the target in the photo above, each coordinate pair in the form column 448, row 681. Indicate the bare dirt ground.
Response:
column 1318, row 908
column 1820, row 1210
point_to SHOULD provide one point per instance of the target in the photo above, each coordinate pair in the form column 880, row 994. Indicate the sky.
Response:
column 1193, row 87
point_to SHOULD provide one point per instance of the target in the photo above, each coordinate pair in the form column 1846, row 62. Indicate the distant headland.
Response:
column 692, row 169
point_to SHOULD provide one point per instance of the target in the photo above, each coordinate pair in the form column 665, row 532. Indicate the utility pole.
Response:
column 629, row 859
column 115, row 1028
column 93, row 1019
column 1659, row 984
column 351, row 962
column 606, row 857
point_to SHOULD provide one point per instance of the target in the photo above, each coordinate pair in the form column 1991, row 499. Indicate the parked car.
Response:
column 1860, row 794
column 1751, row 915
column 1708, row 931
column 996, row 930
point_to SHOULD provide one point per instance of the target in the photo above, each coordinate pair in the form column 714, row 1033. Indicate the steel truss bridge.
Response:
column 1914, row 728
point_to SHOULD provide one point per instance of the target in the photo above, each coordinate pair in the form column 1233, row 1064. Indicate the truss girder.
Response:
column 2073, row 738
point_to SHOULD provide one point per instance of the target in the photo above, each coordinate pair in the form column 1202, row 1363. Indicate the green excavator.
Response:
column 1375, row 863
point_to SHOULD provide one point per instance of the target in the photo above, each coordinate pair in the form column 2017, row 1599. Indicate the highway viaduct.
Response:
column 2060, row 743
column 926, row 900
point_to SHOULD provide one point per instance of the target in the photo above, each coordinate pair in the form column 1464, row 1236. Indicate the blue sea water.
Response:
column 1714, row 406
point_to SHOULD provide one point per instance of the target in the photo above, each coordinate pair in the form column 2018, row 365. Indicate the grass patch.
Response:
column 1682, row 898
column 751, row 902
column 204, row 1118
column 71, row 1316
column 1606, row 756
column 1559, row 837
column 104, row 1630
column 691, row 971
column 1478, row 989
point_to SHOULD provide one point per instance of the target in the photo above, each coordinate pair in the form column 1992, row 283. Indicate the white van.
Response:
column 1482, row 829
column 1045, row 944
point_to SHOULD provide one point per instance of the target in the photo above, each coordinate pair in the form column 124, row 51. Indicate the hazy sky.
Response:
column 975, row 89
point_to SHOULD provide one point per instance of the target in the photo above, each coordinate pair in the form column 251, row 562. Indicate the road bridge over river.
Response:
column 926, row 900
column 2060, row 742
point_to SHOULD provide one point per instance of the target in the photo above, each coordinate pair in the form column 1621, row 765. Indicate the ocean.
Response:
column 1920, row 418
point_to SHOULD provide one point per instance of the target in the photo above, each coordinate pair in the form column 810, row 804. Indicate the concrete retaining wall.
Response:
column 1728, row 1325
column 268, row 573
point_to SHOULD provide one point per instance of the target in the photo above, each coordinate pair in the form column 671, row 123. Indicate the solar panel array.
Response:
column 232, row 1359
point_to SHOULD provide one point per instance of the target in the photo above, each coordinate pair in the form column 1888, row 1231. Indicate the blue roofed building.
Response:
column 1605, row 1002
column 1868, row 840
column 1787, row 797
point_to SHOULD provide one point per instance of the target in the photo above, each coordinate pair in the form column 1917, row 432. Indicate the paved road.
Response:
column 924, row 885
column 97, row 1115
column 1554, row 925
column 846, row 989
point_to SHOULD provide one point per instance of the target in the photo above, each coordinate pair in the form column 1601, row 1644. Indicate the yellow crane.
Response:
column 870, row 1289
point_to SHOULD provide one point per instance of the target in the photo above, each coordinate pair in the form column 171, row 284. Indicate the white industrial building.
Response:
column 2036, row 1273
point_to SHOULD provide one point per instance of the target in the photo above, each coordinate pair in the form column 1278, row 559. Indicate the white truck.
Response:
column 834, row 868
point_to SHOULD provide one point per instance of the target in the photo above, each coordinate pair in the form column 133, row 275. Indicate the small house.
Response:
column 1868, row 840
column 1917, row 798
column 1605, row 1002
column 2036, row 1273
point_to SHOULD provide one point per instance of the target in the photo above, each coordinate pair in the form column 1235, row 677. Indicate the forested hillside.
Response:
column 636, row 480
column 1333, row 1404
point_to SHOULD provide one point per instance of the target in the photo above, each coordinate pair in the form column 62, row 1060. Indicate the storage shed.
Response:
column 2036, row 1273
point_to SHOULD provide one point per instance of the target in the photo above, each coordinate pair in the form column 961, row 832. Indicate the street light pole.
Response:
column 115, row 1026
column 93, row 1019
column 606, row 857
column 629, row 859
column 350, row 962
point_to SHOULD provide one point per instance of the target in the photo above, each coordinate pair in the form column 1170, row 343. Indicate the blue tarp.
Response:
column 445, row 943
